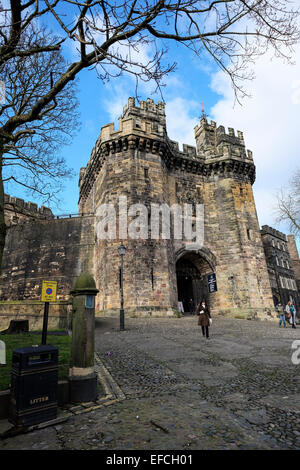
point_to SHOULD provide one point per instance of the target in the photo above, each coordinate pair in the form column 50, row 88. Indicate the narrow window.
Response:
column 146, row 172
column 248, row 234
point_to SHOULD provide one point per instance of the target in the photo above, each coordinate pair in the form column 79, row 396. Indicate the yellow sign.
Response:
column 49, row 291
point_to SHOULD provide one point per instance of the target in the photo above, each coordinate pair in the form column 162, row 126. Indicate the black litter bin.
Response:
column 34, row 379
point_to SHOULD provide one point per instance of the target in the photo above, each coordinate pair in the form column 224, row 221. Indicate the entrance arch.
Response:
column 192, row 268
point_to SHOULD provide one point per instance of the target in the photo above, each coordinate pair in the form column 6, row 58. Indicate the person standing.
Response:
column 281, row 313
column 293, row 313
column 290, row 309
column 204, row 318
column 288, row 315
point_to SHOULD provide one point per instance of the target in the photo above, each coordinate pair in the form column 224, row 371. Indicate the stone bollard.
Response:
column 82, row 378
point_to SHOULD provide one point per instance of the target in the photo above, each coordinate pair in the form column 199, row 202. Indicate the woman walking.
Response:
column 204, row 318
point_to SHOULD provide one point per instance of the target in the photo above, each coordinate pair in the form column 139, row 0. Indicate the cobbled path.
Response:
column 178, row 390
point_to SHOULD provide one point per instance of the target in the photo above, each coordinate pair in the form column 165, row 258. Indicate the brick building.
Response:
column 139, row 164
column 280, row 266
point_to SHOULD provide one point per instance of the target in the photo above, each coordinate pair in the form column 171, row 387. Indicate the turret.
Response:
column 213, row 141
column 147, row 111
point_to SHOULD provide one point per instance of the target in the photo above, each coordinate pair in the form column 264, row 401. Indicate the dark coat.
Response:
column 203, row 319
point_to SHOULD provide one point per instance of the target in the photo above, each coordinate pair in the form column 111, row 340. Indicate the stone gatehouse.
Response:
column 140, row 164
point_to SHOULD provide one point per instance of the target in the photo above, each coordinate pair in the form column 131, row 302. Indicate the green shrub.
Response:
column 62, row 342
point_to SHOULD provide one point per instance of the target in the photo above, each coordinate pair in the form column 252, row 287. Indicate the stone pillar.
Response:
column 82, row 378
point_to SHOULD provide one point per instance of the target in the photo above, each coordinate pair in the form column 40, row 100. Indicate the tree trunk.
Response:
column 2, row 221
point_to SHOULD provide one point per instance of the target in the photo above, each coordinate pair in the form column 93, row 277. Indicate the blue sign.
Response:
column 212, row 282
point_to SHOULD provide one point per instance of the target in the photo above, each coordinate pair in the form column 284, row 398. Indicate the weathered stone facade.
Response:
column 280, row 266
column 17, row 211
column 40, row 249
column 139, row 164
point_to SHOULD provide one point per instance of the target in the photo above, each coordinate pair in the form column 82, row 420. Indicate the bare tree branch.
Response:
column 109, row 36
column 288, row 204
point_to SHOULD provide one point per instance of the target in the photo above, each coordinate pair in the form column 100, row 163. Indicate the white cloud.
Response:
column 270, row 122
column 117, row 98
column 181, row 115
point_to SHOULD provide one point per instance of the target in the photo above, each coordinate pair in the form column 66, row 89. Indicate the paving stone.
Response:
column 244, row 410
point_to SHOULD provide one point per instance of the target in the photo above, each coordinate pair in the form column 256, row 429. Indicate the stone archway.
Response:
column 192, row 268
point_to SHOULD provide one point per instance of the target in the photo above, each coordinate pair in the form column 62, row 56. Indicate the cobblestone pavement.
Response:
column 167, row 387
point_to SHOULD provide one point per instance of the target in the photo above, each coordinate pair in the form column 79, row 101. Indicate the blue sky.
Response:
column 269, row 119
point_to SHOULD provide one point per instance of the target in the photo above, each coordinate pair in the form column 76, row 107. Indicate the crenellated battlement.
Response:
column 146, row 119
column 267, row 230
column 142, row 127
column 213, row 141
column 19, row 211
column 188, row 151
column 148, row 106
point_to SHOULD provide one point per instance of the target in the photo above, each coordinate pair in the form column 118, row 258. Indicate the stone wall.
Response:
column 55, row 250
column 59, row 317
column 17, row 211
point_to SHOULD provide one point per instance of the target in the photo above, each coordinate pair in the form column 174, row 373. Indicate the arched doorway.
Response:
column 191, row 273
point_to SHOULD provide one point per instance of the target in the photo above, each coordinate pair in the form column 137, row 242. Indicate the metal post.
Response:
column 45, row 323
column 122, row 251
column 122, row 297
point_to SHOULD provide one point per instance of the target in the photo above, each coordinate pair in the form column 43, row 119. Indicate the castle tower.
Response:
column 232, row 228
column 136, row 168
column 126, row 169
